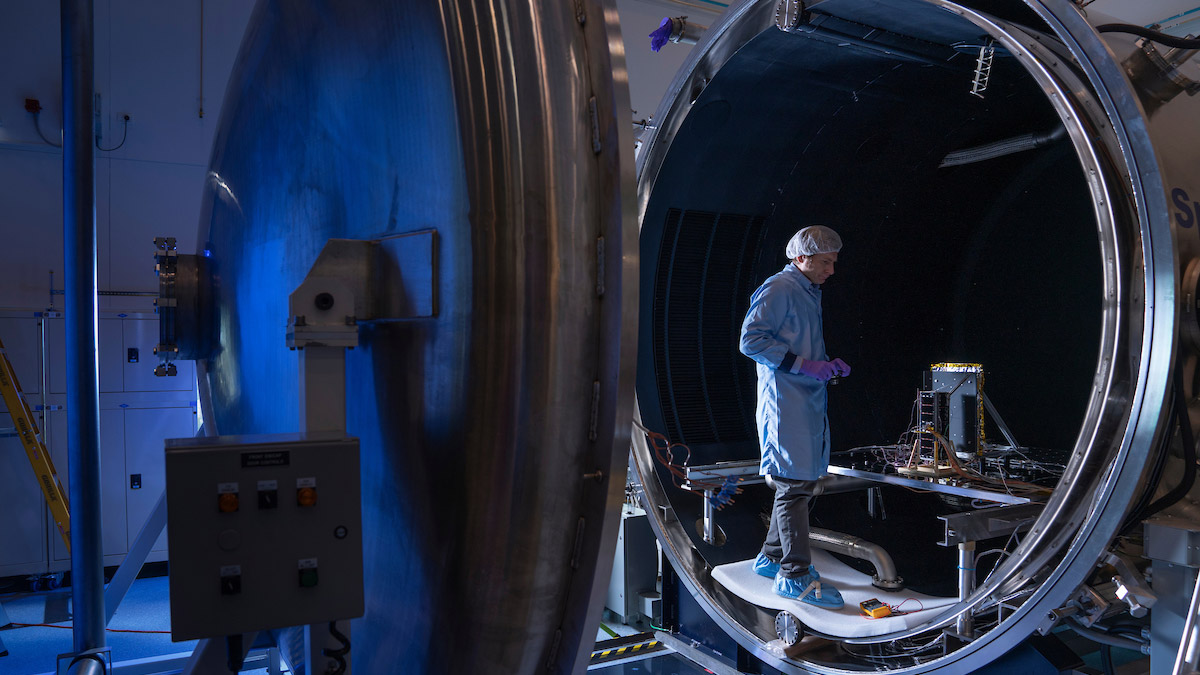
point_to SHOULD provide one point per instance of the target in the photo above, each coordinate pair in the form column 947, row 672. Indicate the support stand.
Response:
column 4, row 622
column 128, row 571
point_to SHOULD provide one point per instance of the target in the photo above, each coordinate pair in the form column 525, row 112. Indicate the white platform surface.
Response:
column 855, row 587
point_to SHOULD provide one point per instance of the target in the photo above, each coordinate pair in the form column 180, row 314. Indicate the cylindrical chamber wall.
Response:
column 487, row 424
column 995, row 262
column 1046, row 265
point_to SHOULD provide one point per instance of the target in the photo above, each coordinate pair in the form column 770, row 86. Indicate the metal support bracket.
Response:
column 972, row 526
column 115, row 592
column 86, row 662
column 1131, row 586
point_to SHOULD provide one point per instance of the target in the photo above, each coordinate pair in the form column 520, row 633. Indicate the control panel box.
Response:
column 264, row 532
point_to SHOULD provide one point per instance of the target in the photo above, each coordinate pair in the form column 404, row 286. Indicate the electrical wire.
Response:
column 37, row 115
column 1137, row 513
column 110, row 630
column 1149, row 34
column 1104, row 638
column 1189, row 452
column 972, row 475
column 1106, row 662
column 895, row 609
column 124, row 134
column 664, row 452
column 905, row 652
column 339, row 654
column 1003, row 550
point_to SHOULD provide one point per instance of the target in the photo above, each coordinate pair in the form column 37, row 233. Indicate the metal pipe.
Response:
column 709, row 535
column 88, row 666
column 79, row 264
column 1001, row 148
column 1100, row 637
column 885, row 577
column 685, row 32
column 966, row 585
column 1187, row 654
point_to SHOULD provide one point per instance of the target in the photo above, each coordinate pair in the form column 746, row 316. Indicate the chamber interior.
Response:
column 995, row 260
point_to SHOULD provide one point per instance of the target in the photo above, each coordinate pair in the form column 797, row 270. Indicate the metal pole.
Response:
column 966, row 585
column 710, row 536
column 79, row 266
column 1187, row 659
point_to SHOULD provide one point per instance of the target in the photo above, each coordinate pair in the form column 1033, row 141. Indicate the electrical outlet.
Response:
column 33, row 105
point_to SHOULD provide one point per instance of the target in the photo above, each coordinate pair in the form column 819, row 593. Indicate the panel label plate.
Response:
column 277, row 458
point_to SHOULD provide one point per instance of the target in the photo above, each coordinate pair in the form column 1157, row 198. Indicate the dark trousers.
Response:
column 787, row 537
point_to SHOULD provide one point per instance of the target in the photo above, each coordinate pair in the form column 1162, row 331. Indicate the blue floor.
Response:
column 139, row 629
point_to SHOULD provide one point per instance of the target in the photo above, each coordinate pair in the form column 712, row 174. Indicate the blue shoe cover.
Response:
column 809, row 588
column 764, row 567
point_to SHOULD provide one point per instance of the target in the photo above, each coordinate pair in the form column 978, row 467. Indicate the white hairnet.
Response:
column 814, row 241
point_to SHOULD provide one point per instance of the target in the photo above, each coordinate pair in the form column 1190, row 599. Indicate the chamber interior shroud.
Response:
column 996, row 262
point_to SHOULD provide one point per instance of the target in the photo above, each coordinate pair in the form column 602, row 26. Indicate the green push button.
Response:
column 308, row 577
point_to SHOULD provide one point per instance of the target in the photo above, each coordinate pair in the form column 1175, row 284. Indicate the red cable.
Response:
column 110, row 630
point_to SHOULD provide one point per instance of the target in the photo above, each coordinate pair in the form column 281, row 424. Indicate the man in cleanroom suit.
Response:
column 782, row 333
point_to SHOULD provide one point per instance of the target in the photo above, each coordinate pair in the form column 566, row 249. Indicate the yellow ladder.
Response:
column 35, row 450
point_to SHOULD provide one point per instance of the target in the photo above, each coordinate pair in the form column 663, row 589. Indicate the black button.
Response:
column 340, row 532
column 231, row 585
column 268, row 499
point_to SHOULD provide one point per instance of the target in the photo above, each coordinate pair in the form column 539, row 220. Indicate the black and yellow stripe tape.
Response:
column 626, row 650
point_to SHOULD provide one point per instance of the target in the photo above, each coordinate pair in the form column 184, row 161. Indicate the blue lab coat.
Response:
column 784, row 319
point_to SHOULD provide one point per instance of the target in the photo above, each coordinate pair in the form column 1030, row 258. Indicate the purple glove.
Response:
column 660, row 36
column 824, row 370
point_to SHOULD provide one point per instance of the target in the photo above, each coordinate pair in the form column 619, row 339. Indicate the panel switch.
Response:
column 268, row 494
column 231, row 580
column 308, row 572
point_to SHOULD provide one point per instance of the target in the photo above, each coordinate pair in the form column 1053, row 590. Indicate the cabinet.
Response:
column 137, row 412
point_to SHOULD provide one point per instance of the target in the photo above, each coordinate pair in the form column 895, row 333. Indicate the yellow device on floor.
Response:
column 874, row 608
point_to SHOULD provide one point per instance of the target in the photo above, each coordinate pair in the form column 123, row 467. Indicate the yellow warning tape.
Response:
column 620, row 651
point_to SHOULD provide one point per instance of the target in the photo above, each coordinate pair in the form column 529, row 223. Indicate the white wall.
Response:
column 651, row 73
column 151, row 64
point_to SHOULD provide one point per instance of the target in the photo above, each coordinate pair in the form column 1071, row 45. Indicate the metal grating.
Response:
column 702, row 288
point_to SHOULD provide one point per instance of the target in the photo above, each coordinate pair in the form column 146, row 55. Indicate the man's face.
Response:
column 818, row 267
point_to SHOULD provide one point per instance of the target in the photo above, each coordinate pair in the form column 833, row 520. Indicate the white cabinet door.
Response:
column 114, row 535
column 23, row 527
column 146, row 429
column 109, row 357
column 22, row 341
column 140, row 337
